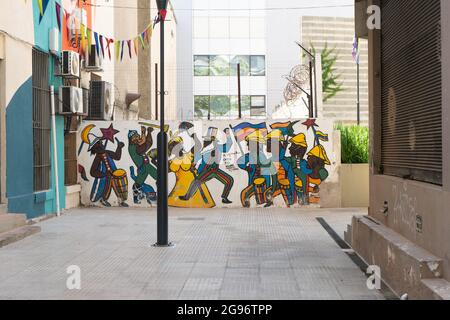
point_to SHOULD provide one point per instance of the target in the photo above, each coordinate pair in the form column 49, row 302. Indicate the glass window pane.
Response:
column 201, row 66
column 258, row 106
column 245, row 65
column 201, row 107
column 220, row 66
column 220, row 106
column 258, row 65
column 245, row 105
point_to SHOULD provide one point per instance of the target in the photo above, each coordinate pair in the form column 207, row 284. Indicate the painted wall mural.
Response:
column 211, row 164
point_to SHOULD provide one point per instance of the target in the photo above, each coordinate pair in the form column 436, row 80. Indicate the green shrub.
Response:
column 355, row 144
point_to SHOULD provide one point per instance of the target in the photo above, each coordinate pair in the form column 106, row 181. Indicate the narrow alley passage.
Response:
column 220, row 254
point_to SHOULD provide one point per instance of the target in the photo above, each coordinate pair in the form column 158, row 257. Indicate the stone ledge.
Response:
column 17, row 234
column 439, row 288
column 403, row 264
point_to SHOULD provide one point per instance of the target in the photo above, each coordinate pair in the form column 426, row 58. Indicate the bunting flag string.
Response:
column 84, row 36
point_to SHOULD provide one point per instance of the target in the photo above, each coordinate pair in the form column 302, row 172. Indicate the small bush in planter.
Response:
column 355, row 144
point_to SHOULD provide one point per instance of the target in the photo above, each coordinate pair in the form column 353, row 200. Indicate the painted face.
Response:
column 297, row 151
column 315, row 164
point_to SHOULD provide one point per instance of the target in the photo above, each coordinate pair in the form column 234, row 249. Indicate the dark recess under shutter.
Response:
column 411, row 81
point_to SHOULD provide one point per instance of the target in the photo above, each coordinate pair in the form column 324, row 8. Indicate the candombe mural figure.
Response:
column 284, row 163
column 183, row 165
column 139, row 146
column 106, row 175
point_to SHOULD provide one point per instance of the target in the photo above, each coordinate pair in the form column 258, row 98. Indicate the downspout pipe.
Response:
column 55, row 149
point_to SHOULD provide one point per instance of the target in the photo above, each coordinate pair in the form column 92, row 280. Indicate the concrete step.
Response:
column 439, row 288
column 404, row 265
column 348, row 235
column 11, row 221
column 17, row 234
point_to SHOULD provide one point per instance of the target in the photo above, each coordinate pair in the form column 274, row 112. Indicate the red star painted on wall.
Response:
column 310, row 123
column 108, row 134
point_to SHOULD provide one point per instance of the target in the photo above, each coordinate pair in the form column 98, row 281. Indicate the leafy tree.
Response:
column 330, row 78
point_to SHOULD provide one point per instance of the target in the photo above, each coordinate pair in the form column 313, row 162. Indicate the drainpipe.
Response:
column 55, row 149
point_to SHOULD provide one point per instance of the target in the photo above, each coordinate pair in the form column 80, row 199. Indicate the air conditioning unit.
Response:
column 70, row 64
column 70, row 101
column 101, row 102
column 85, row 102
column 93, row 62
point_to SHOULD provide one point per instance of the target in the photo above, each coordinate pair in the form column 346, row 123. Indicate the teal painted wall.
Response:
column 21, row 198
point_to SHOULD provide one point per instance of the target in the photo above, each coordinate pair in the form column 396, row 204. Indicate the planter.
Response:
column 355, row 185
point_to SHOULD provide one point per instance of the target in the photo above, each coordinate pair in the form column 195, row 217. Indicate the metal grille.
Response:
column 41, row 121
column 70, row 159
column 411, row 83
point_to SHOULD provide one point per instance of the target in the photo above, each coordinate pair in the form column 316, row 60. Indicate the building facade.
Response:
column 30, row 62
column 407, row 232
column 259, row 35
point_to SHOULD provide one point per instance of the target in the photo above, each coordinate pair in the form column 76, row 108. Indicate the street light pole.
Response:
column 163, row 211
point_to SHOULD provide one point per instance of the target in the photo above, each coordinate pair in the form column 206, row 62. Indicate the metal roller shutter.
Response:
column 411, row 81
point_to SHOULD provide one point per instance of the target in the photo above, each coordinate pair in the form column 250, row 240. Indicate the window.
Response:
column 227, row 107
column 219, row 66
column 258, row 106
column 70, row 159
column 245, row 106
column 219, row 106
column 244, row 61
column 224, row 65
column 201, row 66
column 258, row 66
column 201, row 107
column 41, row 121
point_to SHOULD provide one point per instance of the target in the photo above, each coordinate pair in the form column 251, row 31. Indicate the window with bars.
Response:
column 70, row 159
column 41, row 121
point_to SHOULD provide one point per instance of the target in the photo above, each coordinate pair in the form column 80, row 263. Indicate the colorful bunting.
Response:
column 58, row 14
column 42, row 5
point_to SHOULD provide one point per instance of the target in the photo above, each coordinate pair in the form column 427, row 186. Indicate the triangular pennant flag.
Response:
column 89, row 40
column 97, row 46
column 101, row 46
column 117, row 44
column 149, row 31
column 136, row 45
column 141, row 37
column 121, row 48
column 129, row 47
column 58, row 14
column 42, row 8
column 109, row 42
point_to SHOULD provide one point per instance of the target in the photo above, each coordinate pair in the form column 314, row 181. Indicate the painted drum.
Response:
column 260, row 189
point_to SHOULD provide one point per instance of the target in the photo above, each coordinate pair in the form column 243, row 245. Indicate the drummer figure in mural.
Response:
column 107, row 176
column 260, row 170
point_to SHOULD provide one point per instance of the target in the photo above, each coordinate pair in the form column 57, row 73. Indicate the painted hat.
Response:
column 299, row 140
column 211, row 134
column 132, row 133
column 319, row 152
column 185, row 126
column 94, row 141
column 256, row 136
column 276, row 134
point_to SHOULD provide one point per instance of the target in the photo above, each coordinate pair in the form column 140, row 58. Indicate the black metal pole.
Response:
column 156, row 92
column 239, row 90
column 311, row 84
column 163, row 211
column 358, row 104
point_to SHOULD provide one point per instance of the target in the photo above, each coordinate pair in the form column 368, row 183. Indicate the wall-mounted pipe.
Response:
column 55, row 149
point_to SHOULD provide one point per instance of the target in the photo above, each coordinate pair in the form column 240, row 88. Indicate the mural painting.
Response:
column 210, row 164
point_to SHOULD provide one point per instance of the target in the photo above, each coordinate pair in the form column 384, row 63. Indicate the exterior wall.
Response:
column 408, row 201
column 211, row 190
column 339, row 32
column 17, row 72
column 355, row 185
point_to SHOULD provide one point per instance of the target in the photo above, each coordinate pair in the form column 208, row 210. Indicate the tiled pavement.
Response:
column 219, row 254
